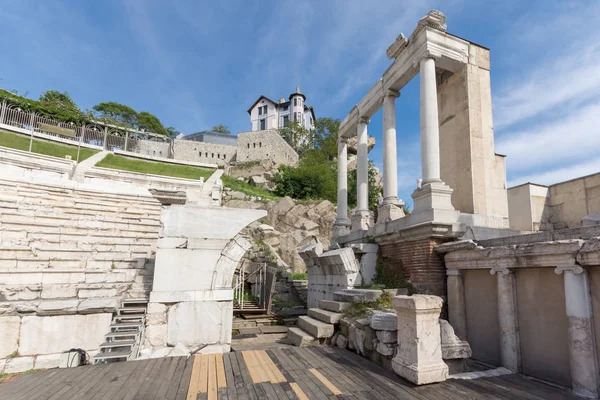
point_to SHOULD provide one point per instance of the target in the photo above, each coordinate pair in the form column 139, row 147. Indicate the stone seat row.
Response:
column 319, row 325
column 14, row 235
column 90, row 221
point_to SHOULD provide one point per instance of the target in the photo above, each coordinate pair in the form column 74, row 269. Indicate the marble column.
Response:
column 391, row 207
column 362, row 166
column 342, row 220
column 582, row 346
column 430, row 129
column 457, row 311
column 510, row 348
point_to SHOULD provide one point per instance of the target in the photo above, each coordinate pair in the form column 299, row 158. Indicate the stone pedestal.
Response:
column 435, row 195
column 362, row 220
column 389, row 212
column 419, row 357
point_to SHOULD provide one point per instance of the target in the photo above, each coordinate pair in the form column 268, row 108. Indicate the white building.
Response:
column 268, row 114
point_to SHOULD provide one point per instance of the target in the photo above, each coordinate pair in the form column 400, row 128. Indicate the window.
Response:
column 207, row 154
column 263, row 124
column 248, row 145
column 295, row 102
column 224, row 156
column 286, row 119
column 218, row 156
column 259, row 144
column 259, row 110
column 212, row 155
column 285, row 108
column 254, row 145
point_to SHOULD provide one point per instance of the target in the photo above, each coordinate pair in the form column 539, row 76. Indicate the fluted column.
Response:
column 342, row 196
column 390, row 162
column 362, row 167
column 510, row 348
column 430, row 129
column 582, row 346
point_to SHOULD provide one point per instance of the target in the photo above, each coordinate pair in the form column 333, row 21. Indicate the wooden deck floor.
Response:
column 291, row 373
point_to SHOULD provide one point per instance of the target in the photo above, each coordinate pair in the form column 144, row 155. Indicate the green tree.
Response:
column 375, row 190
column 150, row 123
column 59, row 101
column 172, row 131
column 297, row 136
column 120, row 114
column 224, row 129
column 326, row 135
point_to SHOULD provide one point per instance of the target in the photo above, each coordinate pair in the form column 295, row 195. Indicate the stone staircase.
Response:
column 319, row 325
column 126, row 333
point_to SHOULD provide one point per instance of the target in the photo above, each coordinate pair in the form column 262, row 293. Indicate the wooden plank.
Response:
column 260, row 365
column 334, row 390
column 118, row 388
column 307, row 386
column 221, row 379
column 159, row 376
column 250, row 390
column 299, row 392
column 145, row 388
column 222, row 394
column 135, row 385
column 194, row 379
column 332, row 371
column 269, row 391
column 231, row 389
column 101, row 371
column 110, row 381
column 277, row 361
column 178, row 390
column 77, row 383
column 212, row 377
column 26, row 382
column 59, row 381
column 279, row 378
column 260, row 392
column 203, row 378
column 168, row 378
column 279, row 391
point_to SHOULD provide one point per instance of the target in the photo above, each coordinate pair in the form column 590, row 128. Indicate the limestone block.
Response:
column 13, row 293
column 206, row 244
column 156, row 335
column 359, row 341
column 384, row 321
column 55, row 334
column 9, row 335
column 387, row 336
column 2, row 365
column 85, row 293
column 452, row 346
column 172, row 243
column 341, row 342
column 179, row 350
column 58, row 307
column 18, row 364
column 89, row 306
column 315, row 327
column 299, row 338
column 258, row 181
column 306, row 224
column 370, row 338
column 161, row 352
column 385, row 349
column 419, row 357
column 156, row 314
column 184, row 269
column 265, row 228
column 47, row 361
column 352, row 337
column 362, row 323
column 324, row 208
column 196, row 323
column 59, row 291
column 283, row 206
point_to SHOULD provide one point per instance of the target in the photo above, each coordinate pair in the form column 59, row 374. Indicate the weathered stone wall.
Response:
column 68, row 258
column 189, row 150
column 468, row 163
column 260, row 145
column 423, row 269
column 149, row 147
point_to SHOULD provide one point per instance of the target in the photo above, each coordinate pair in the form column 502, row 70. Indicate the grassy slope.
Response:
column 247, row 189
column 20, row 142
column 156, row 168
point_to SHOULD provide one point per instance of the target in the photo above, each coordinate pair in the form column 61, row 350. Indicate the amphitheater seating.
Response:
column 60, row 243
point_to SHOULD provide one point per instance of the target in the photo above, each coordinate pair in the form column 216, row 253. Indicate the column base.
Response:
column 436, row 195
column 341, row 227
column 420, row 374
column 362, row 220
column 389, row 212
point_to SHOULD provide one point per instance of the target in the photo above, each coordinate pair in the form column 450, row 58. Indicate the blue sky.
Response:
column 197, row 64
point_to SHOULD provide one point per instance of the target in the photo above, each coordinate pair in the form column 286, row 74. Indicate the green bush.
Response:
column 300, row 276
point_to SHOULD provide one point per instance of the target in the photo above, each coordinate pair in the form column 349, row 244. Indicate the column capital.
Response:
column 453, row 272
column 363, row 120
column 343, row 139
column 391, row 93
column 500, row 270
column 576, row 269
column 425, row 55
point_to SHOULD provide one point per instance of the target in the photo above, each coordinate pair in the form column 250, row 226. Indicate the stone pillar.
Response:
column 419, row 358
column 342, row 223
column 391, row 207
column 362, row 218
column 430, row 127
column 510, row 348
column 457, row 312
column 582, row 346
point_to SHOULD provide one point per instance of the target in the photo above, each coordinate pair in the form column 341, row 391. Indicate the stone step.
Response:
column 335, row 306
column 90, row 221
column 112, row 356
column 316, row 328
column 329, row 317
column 117, row 343
column 300, row 338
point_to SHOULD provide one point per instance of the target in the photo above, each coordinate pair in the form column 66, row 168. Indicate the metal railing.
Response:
column 97, row 134
column 258, row 289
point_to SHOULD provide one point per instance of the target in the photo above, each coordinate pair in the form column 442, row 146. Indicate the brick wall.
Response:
column 422, row 267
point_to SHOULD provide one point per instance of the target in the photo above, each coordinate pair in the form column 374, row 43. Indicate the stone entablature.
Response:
column 526, row 266
column 267, row 144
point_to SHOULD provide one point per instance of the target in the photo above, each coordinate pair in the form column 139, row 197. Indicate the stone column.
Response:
column 362, row 166
column 430, row 128
column 419, row 358
column 342, row 222
column 391, row 207
column 582, row 346
column 510, row 348
column 362, row 219
column 457, row 311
